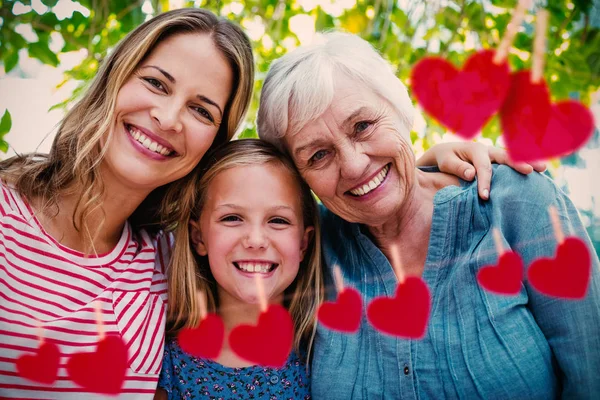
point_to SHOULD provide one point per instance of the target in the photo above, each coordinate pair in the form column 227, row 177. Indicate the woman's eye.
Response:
column 155, row 82
column 202, row 111
column 361, row 126
column 230, row 218
column 318, row 156
column 279, row 221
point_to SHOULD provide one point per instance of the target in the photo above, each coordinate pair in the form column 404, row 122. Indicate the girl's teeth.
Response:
column 250, row 267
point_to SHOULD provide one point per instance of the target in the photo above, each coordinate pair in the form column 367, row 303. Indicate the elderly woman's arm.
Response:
column 463, row 159
column 571, row 327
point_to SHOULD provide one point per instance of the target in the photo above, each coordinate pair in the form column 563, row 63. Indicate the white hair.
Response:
column 299, row 86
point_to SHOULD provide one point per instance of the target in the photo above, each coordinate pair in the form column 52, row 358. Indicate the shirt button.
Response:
column 274, row 379
column 406, row 370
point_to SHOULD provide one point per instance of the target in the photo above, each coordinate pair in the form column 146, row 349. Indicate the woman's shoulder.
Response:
column 506, row 181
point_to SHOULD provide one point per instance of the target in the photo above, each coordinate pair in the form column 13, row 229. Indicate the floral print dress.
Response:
column 187, row 377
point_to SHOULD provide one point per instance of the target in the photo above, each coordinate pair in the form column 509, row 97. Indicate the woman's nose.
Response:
column 167, row 116
column 353, row 162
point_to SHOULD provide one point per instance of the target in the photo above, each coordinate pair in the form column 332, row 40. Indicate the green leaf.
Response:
column 50, row 3
column 41, row 51
column 11, row 58
column 5, row 124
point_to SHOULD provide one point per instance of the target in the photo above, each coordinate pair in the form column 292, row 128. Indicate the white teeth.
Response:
column 262, row 268
column 372, row 184
column 147, row 142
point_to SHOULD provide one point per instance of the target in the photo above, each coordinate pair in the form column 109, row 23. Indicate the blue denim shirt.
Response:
column 478, row 344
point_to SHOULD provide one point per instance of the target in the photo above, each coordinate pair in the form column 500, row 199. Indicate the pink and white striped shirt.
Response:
column 41, row 280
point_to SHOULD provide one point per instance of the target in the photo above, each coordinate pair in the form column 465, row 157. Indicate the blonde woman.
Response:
column 71, row 221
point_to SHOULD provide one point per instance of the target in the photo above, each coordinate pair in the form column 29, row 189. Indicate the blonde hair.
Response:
column 299, row 86
column 76, row 153
column 189, row 272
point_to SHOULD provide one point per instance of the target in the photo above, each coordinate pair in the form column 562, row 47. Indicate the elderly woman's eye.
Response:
column 362, row 126
column 318, row 156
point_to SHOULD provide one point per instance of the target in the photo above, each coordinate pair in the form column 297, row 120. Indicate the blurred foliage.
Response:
column 404, row 31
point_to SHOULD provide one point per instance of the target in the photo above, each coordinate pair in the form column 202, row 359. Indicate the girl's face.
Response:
column 168, row 113
column 251, row 225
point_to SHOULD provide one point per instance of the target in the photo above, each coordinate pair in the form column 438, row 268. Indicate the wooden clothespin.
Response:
column 539, row 46
column 511, row 31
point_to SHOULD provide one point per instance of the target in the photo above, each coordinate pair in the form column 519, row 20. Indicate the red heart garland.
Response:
column 404, row 315
column 463, row 101
column 506, row 277
column 102, row 371
column 344, row 314
column 41, row 367
column 566, row 276
column 536, row 129
column 204, row 341
column 269, row 342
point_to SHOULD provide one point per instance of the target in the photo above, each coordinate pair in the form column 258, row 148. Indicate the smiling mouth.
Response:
column 372, row 184
column 148, row 143
column 255, row 267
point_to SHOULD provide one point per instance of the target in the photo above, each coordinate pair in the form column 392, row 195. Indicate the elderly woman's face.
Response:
column 354, row 157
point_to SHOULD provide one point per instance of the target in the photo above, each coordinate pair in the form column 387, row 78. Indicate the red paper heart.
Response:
column 41, row 367
column 269, row 342
column 535, row 129
column 404, row 315
column 204, row 341
column 102, row 371
column 566, row 276
column 344, row 314
column 506, row 277
column 463, row 101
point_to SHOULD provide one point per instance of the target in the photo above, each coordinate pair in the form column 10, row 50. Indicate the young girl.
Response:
column 251, row 214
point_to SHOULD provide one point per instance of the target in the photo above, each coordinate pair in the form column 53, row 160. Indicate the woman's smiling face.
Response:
column 354, row 157
column 168, row 112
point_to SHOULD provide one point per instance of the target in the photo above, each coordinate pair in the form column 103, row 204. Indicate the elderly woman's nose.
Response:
column 353, row 162
column 167, row 116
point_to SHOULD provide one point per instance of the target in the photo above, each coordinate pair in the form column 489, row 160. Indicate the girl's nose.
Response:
column 255, row 239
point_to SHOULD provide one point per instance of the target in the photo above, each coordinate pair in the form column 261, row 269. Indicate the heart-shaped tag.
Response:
column 204, row 341
column 269, row 342
column 504, row 278
column 463, row 101
column 102, row 371
column 567, row 275
column 344, row 314
column 41, row 367
column 406, row 314
column 536, row 129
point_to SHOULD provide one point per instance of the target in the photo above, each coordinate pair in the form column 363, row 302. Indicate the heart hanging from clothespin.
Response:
column 206, row 339
column 344, row 314
column 504, row 278
column 41, row 367
column 567, row 275
column 465, row 100
column 405, row 314
column 269, row 342
column 102, row 371
column 533, row 127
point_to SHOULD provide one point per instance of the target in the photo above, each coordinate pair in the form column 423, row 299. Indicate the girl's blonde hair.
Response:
column 76, row 152
column 189, row 272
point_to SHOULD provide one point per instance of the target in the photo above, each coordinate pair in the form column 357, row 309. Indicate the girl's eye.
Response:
column 155, row 82
column 361, row 126
column 230, row 218
column 318, row 156
column 279, row 221
column 202, row 111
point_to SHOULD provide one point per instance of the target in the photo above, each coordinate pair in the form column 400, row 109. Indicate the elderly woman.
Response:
column 344, row 118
